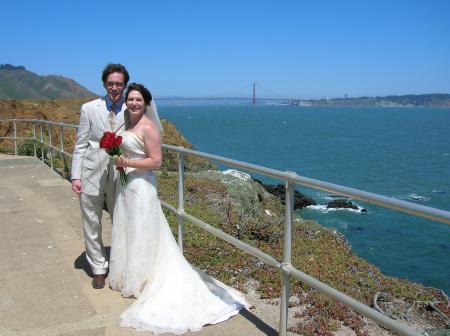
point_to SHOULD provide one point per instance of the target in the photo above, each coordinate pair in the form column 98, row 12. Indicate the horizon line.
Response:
column 263, row 98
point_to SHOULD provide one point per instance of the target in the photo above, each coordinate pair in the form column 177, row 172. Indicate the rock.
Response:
column 300, row 200
column 344, row 204
column 243, row 192
column 238, row 174
column 341, row 203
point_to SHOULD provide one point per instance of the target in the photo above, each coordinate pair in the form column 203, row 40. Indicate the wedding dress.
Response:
column 146, row 263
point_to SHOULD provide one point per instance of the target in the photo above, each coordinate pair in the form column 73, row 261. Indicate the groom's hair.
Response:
column 142, row 89
column 111, row 68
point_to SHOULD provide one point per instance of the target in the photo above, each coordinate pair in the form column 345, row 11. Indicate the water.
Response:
column 397, row 152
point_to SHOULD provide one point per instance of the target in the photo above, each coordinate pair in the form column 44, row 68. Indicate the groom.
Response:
column 93, row 176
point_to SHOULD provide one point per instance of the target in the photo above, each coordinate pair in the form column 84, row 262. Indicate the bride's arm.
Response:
column 152, row 146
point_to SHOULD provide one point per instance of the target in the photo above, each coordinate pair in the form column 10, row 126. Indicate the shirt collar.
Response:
column 116, row 107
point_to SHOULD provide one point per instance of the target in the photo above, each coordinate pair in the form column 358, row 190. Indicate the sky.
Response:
column 290, row 49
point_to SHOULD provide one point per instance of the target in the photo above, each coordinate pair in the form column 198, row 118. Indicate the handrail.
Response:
column 368, row 197
column 39, row 121
column 49, row 145
column 285, row 265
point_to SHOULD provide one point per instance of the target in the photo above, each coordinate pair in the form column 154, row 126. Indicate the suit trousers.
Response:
column 91, row 213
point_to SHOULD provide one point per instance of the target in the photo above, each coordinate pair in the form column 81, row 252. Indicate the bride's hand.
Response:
column 121, row 161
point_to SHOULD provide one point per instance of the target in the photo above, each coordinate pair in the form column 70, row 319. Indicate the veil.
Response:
column 151, row 112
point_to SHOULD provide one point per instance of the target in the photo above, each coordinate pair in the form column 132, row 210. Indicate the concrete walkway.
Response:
column 45, row 285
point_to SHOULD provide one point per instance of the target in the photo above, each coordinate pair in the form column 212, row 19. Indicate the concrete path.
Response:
column 45, row 285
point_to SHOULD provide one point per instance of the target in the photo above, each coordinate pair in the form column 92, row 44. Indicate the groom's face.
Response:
column 114, row 85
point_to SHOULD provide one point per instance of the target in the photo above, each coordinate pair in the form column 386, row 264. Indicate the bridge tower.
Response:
column 254, row 94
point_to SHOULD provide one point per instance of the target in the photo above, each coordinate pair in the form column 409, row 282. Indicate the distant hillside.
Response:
column 421, row 100
column 16, row 82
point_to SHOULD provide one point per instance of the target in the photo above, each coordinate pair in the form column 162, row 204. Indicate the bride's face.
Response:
column 135, row 103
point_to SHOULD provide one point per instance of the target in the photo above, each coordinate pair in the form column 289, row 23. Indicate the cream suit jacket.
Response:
column 91, row 164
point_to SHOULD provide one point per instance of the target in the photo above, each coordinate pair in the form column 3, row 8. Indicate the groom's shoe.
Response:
column 98, row 281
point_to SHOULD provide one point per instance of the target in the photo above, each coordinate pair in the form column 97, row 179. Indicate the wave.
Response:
column 417, row 197
column 323, row 208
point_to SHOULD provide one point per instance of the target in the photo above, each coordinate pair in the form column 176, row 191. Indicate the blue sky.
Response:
column 307, row 49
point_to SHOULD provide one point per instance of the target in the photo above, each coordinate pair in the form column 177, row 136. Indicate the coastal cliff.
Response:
column 237, row 204
column 244, row 208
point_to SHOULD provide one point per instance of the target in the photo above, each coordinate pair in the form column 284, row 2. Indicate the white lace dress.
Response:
column 146, row 263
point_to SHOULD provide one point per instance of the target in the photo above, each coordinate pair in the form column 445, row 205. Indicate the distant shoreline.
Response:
column 408, row 101
column 439, row 100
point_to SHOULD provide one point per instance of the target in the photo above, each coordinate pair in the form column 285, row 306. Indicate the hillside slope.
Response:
column 16, row 82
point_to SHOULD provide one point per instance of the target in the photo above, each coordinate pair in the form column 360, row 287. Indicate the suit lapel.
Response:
column 103, row 114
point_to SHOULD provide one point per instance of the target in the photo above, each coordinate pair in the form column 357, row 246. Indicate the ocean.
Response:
column 397, row 152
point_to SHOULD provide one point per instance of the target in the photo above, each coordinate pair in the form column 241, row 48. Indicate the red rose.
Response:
column 117, row 141
column 111, row 142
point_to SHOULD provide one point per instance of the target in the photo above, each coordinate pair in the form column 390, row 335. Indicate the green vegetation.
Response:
column 245, row 210
column 316, row 251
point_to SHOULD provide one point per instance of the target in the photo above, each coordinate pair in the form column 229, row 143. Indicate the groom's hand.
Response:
column 76, row 186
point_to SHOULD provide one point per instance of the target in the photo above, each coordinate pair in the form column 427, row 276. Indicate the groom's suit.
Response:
column 94, row 168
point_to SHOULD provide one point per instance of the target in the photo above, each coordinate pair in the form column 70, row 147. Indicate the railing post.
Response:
column 15, row 137
column 34, row 138
column 61, row 137
column 287, row 244
column 50, row 142
column 63, row 156
column 42, row 142
column 180, row 208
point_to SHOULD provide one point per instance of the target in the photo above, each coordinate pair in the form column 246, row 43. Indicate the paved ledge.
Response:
column 45, row 283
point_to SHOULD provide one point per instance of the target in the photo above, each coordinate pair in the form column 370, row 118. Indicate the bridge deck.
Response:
column 45, row 287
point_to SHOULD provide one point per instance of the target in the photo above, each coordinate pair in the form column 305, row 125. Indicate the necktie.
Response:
column 112, row 118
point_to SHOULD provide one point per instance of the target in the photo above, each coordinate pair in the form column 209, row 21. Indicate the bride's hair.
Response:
column 150, row 111
column 142, row 90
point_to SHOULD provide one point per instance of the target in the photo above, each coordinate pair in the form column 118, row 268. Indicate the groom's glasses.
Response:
column 116, row 84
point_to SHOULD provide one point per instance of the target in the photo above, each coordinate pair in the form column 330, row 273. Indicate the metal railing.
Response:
column 284, row 266
column 45, row 127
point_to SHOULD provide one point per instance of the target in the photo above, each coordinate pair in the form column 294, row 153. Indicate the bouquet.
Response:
column 111, row 142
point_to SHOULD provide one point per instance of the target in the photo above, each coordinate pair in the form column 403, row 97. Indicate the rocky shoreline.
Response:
column 253, row 212
column 302, row 201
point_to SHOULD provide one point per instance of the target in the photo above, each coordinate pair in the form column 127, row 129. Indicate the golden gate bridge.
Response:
column 279, row 98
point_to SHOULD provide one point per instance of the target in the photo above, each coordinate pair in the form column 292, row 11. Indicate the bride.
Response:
column 146, row 262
